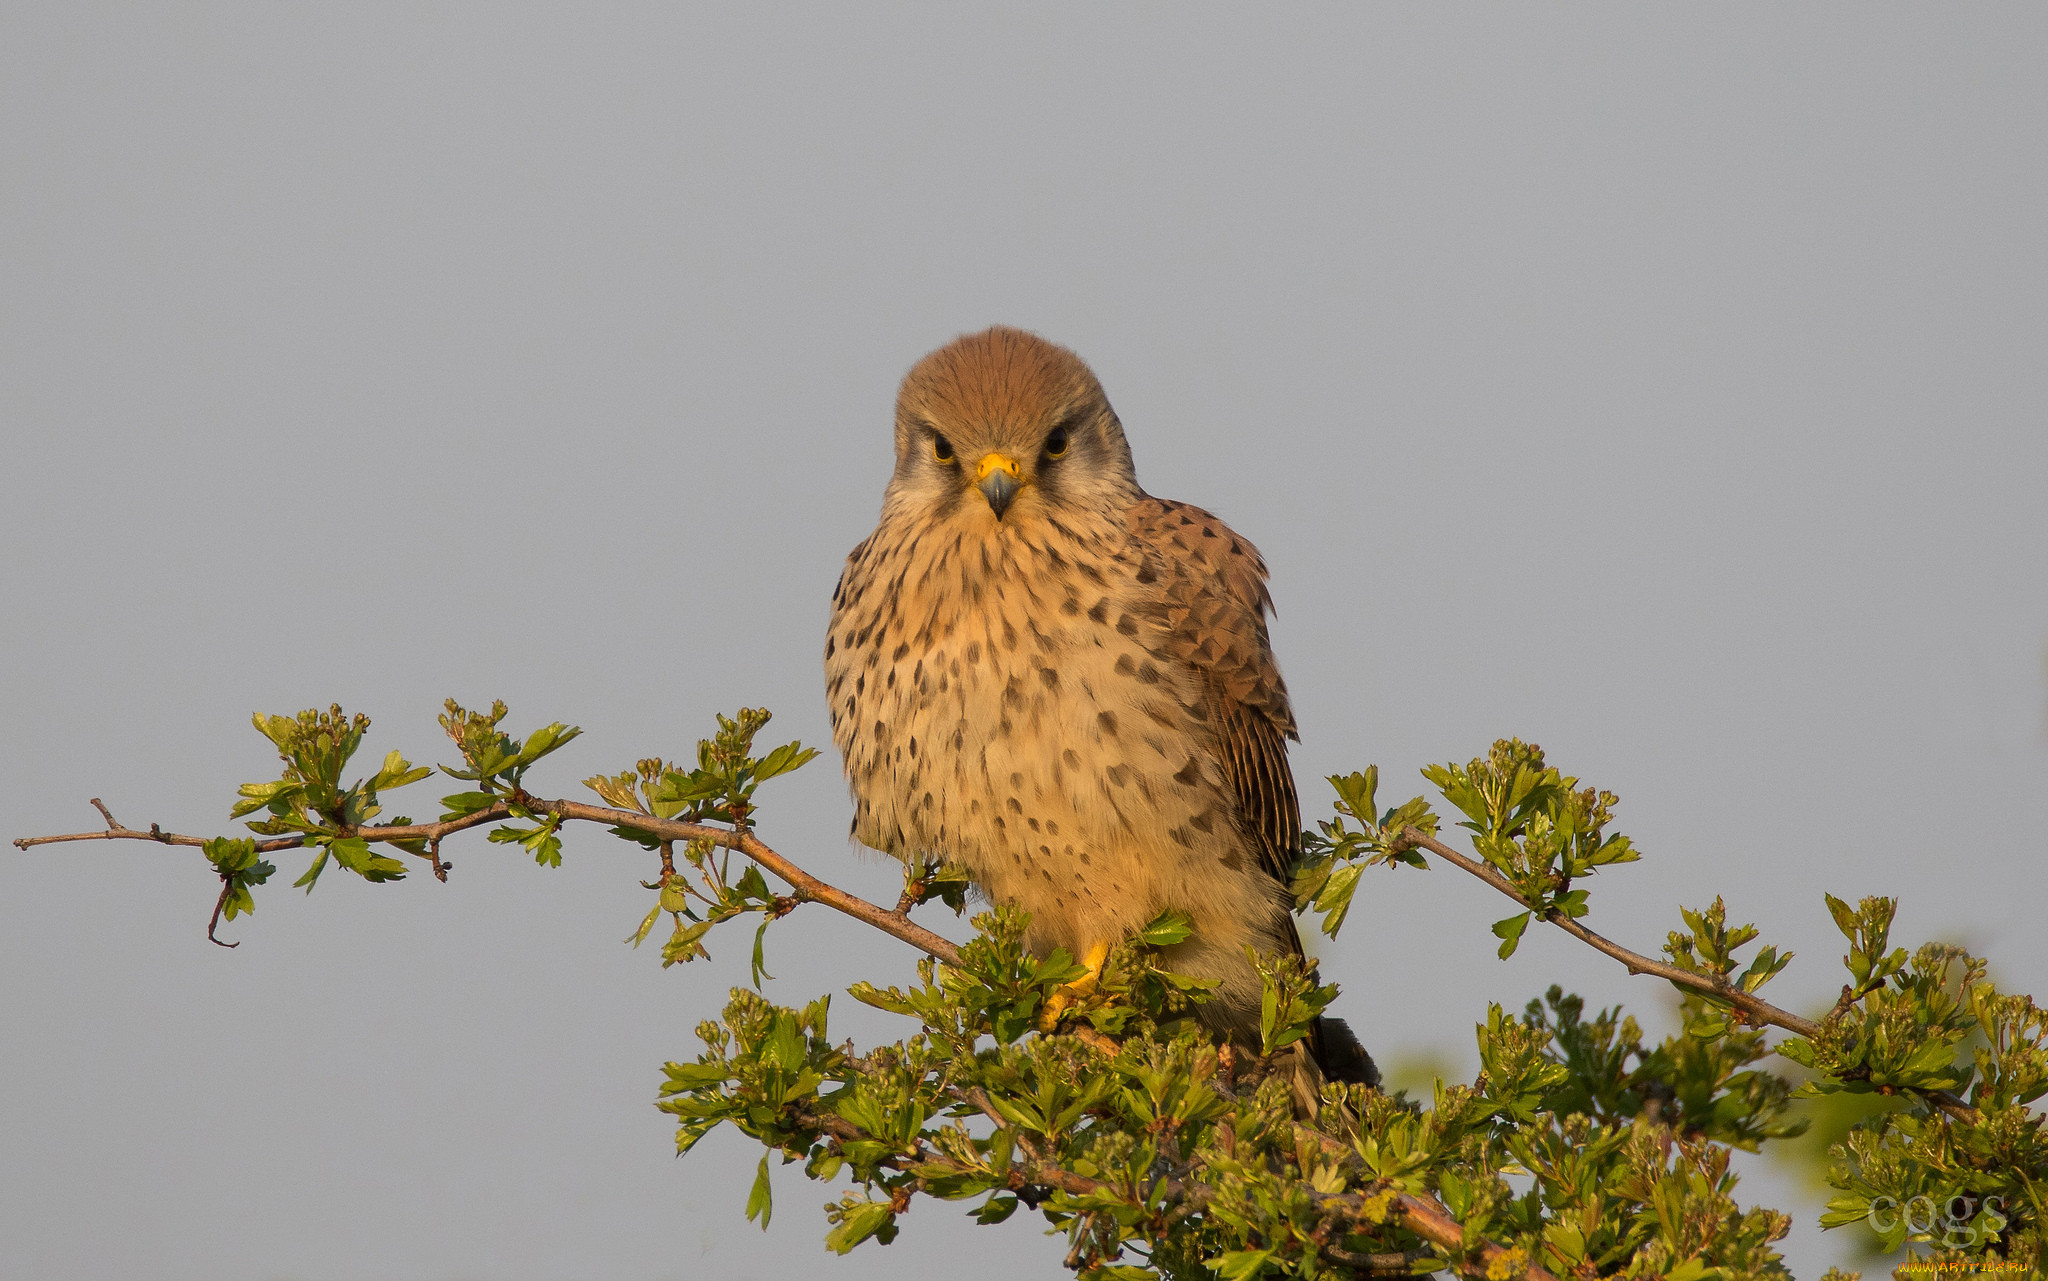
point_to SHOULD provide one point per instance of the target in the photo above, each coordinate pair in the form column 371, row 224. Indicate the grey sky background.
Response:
column 1662, row 385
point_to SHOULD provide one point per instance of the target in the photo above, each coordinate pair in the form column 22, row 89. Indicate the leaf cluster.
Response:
column 1536, row 827
column 310, row 800
column 497, row 763
column 720, row 789
column 1707, row 947
column 1165, row 1154
column 1334, row 856
column 1966, row 1188
column 1582, row 1148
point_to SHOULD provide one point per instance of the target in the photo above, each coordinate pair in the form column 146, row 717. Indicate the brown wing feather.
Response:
column 1216, row 603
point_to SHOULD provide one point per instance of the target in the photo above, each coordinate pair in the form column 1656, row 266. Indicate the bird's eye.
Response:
column 942, row 449
column 1056, row 444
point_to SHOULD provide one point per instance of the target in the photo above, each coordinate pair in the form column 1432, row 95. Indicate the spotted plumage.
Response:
column 1040, row 672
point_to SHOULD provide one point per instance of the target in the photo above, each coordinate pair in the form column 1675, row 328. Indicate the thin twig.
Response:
column 1753, row 1008
column 413, row 831
column 1084, row 1229
column 1851, row 995
column 1393, row 1263
column 808, row 888
column 227, row 887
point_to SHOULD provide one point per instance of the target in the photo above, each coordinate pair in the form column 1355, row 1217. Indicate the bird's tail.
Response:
column 1332, row 1045
column 1339, row 1055
column 1329, row 1053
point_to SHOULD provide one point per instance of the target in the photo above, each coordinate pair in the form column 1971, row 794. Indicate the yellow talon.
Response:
column 1057, row 1003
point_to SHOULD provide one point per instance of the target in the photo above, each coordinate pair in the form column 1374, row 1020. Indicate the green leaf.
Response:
column 683, row 944
column 752, row 886
column 825, row 1166
column 1017, row 1113
column 761, row 1201
column 463, row 804
column 1334, row 899
column 639, row 936
column 544, row 740
column 354, row 853
column 1355, row 792
column 760, row 970
column 237, row 902
column 683, row 789
column 312, row 875
column 788, row 757
column 857, row 1222
column 1509, row 932
column 689, row 1132
column 619, row 793
column 892, row 1000
column 281, row 730
column 256, row 796
column 229, row 854
column 1799, row 1050
column 1166, row 929
column 1844, row 1210
column 693, row 1076
column 397, row 772
column 1709, row 1024
column 1236, row 1265
column 1933, row 1065
column 1845, row 916
column 547, row 851
column 1763, row 969
column 998, row 1207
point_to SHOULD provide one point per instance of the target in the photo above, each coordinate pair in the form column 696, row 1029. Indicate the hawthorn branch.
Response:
column 1752, row 1008
column 1424, row 1216
column 415, row 831
column 1392, row 1263
column 808, row 888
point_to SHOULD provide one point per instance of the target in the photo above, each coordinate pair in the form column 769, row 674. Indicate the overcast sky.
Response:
column 1662, row 385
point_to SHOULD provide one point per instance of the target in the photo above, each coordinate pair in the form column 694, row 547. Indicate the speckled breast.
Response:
column 1004, row 710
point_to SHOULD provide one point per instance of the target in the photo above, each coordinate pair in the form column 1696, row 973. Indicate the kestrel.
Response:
column 1047, row 676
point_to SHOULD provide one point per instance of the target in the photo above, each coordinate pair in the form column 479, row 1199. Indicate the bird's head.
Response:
column 1002, row 428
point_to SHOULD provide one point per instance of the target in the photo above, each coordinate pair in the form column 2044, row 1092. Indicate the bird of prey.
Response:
column 1043, row 674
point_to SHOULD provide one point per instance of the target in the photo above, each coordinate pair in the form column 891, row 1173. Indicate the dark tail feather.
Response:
column 1337, row 1053
column 1340, row 1056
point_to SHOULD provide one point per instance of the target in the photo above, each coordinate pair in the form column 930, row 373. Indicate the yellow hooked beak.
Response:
column 999, row 477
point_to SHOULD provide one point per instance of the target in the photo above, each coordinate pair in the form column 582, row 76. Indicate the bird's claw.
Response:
column 1067, row 993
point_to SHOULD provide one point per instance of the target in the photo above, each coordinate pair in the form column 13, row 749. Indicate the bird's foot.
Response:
column 1057, row 1003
